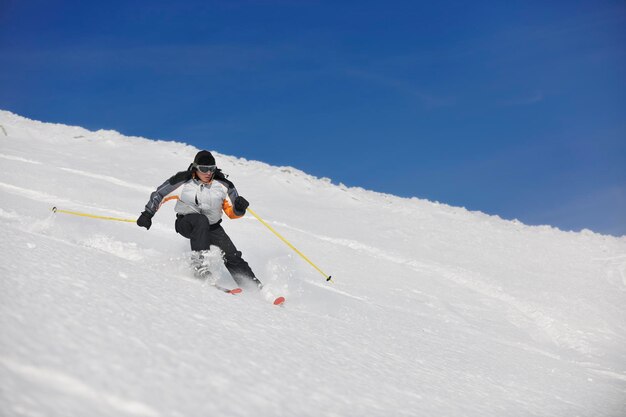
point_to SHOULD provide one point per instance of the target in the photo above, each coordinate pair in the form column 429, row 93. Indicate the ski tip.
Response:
column 235, row 291
column 279, row 301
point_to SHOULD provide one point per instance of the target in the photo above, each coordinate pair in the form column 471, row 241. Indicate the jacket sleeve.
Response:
column 156, row 198
column 229, row 202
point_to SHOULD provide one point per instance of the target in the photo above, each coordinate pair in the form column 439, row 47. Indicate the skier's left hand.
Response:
column 241, row 204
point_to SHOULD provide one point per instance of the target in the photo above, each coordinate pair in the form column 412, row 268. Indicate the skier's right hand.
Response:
column 145, row 220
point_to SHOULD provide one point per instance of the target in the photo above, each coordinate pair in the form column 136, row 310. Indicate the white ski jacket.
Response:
column 194, row 196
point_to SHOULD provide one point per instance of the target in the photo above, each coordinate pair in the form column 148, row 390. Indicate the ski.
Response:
column 278, row 301
column 227, row 290
column 271, row 297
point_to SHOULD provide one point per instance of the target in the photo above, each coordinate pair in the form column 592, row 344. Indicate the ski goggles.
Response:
column 205, row 169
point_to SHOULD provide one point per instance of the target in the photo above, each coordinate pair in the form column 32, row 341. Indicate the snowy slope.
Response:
column 435, row 311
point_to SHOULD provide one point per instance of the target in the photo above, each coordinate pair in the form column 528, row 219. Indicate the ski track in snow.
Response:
column 52, row 200
column 109, row 179
column 19, row 159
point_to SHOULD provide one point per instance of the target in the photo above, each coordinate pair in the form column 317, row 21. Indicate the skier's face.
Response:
column 204, row 177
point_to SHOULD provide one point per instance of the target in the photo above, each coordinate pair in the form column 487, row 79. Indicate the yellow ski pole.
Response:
column 328, row 277
column 93, row 216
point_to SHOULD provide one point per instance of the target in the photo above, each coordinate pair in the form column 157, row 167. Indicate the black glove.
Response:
column 241, row 204
column 145, row 220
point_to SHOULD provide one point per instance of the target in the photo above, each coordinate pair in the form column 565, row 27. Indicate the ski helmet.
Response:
column 204, row 158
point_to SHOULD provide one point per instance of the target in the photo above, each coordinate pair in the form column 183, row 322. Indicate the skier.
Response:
column 202, row 193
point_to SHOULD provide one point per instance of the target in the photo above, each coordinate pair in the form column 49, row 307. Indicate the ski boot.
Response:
column 200, row 267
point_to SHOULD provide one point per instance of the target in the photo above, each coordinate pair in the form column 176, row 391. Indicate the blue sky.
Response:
column 514, row 108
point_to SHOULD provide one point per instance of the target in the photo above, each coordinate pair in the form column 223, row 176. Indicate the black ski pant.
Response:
column 203, row 235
